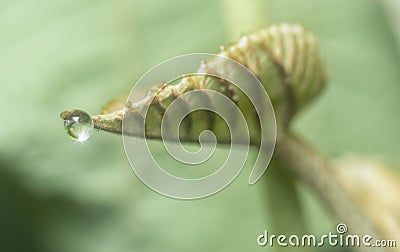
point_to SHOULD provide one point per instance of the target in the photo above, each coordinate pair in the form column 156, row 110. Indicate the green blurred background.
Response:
column 56, row 195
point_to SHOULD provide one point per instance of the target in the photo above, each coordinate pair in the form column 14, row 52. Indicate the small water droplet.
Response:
column 222, row 48
column 128, row 104
column 203, row 64
column 78, row 125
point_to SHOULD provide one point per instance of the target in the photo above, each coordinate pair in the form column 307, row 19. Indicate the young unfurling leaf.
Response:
column 283, row 57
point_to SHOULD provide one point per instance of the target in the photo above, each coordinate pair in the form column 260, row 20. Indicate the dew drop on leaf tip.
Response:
column 78, row 125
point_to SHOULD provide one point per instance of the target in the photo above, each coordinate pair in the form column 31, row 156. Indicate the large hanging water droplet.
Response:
column 78, row 125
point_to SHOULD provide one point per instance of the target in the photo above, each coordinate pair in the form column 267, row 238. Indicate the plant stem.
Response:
column 312, row 169
column 283, row 203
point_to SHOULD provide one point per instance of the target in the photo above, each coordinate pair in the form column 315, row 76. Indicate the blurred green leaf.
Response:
column 59, row 196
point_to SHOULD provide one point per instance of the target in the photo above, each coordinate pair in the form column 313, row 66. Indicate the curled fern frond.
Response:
column 285, row 59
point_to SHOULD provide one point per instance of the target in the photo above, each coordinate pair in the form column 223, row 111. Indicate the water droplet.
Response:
column 78, row 125
column 222, row 48
column 203, row 66
column 128, row 104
